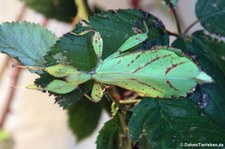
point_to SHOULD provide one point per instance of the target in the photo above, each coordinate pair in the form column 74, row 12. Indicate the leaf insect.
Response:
column 161, row 72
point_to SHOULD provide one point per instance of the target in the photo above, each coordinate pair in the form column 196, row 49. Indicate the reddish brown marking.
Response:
column 138, row 56
column 173, row 66
column 130, row 63
column 119, row 62
column 151, row 61
column 143, row 83
column 171, row 86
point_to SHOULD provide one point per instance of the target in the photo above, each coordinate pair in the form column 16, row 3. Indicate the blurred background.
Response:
column 33, row 120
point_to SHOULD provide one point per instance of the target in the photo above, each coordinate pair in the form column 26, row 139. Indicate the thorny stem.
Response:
column 190, row 26
column 122, row 117
column 176, row 17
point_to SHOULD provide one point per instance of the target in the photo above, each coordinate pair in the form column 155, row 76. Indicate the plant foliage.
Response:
column 130, row 49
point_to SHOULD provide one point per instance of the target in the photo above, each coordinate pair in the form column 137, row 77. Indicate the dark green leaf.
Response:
column 27, row 42
column 74, row 50
column 212, row 49
column 166, row 123
column 211, row 15
column 109, row 135
column 210, row 97
column 63, row 10
column 84, row 116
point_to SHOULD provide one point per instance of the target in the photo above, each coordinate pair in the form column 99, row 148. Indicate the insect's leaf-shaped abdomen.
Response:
column 153, row 73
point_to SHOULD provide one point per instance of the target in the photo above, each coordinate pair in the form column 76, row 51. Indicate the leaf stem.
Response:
column 190, row 26
column 176, row 17
column 122, row 117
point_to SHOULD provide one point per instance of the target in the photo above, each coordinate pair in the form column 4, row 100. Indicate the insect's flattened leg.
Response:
column 35, row 87
column 29, row 67
column 97, row 92
column 60, row 87
column 61, row 70
column 97, row 44
column 132, row 42
column 128, row 44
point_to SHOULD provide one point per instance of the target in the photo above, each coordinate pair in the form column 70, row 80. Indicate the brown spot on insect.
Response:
column 145, row 84
column 151, row 61
column 172, row 67
column 171, row 86
column 119, row 62
column 130, row 63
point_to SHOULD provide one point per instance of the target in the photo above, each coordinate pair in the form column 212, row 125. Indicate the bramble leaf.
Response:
column 168, row 123
column 27, row 42
column 211, row 15
column 206, row 51
column 153, row 73
column 63, row 10
column 109, row 135
column 84, row 116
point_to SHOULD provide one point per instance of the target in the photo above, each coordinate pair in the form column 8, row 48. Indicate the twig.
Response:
column 190, row 26
column 176, row 17
column 4, row 67
column 172, row 33
column 9, row 99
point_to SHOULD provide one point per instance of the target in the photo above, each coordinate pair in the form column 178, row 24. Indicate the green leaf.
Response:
column 27, row 42
column 109, row 136
column 211, row 15
column 212, row 48
column 210, row 97
column 73, row 50
column 84, row 117
column 167, row 123
column 153, row 73
column 63, row 10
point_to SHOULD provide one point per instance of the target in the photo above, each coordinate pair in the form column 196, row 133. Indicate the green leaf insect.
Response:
column 160, row 72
